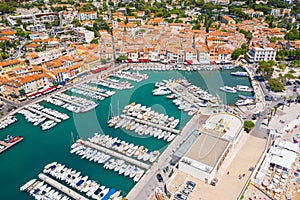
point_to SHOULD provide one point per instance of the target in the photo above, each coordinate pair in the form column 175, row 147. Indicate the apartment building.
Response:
column 87, row 15
column 257, row 54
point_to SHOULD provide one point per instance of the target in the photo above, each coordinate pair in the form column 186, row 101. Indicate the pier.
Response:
column 61, row 187
column 42, row 113
column 117, row 155
column 93, row 91
column 151, row 124
column 187, row 96
column 68, row 101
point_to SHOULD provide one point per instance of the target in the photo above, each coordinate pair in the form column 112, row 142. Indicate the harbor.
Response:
column 89, row 122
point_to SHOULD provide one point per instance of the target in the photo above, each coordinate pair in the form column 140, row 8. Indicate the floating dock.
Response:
column 151, row 124
column 61, row 187
column 116, row 154
column 42, row 113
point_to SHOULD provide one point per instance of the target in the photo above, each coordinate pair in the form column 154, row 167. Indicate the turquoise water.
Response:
column 27, row 159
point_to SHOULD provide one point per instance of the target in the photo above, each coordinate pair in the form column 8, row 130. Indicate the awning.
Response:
column 143, row 60
column 189, row 62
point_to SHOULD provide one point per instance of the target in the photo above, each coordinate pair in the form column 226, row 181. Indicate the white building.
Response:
column 209, row 150
column 87, row 15
column 84, row 35
column 257, row 54
column 205, row 157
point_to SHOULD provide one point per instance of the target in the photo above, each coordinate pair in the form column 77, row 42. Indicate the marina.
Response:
column 83, row 124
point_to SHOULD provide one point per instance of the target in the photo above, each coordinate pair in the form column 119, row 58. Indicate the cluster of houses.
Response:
column 62, row 53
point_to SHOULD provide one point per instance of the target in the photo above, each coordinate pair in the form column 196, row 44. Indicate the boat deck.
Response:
column 61, row 187
column 117, row 155
column 42, row 113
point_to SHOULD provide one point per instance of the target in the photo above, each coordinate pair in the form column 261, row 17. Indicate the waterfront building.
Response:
column 257, row 54
column 210, row 148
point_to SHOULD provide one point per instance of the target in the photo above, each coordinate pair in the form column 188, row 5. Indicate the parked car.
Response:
column 185, row 192
column 268, row 98
column 159, row 177
column 214, row 182
column 191, row 183
column 189, row 188
column 180, row 197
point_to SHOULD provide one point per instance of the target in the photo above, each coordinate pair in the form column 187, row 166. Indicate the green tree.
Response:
column 275, row 85
column 248, row 125
column 236, row 53
column 100, row 24
column 292, row 35
column 76, row 22
column 282, row 66
column 265, row 69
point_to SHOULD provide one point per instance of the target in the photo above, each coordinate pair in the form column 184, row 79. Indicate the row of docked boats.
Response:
column 87, row 94
column 48, row 111
column 62, row 104
column 145, row 113
column 133, row 76
column 117, row 165
column 7, row 121
column 79, row 104
column 101, row 91
column 113, row 83
column 37, row 119
column 166, row 67
column 42, row 191
column 238, row 88
column 125, row 169
column 124, row 147
column 81, row 183
column 88, row 153
column 142, row 127
column 186, row 96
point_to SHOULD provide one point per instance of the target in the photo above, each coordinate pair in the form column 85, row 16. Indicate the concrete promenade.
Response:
column 146, row 186
column 117, row 155
column 61, row 187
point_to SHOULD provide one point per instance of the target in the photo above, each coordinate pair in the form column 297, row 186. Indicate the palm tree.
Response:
column 290, row 98
column 272, row 110
column 284, row 99
column 275, row 108
column 269, row 119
